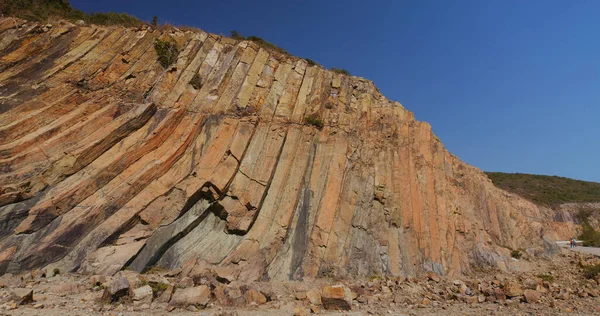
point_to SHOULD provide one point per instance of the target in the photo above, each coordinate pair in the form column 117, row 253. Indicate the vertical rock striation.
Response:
column 108, row 160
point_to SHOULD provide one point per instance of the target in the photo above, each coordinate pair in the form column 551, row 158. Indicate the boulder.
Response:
column 433, row 277
column 336, row 297
column 197, row 296
column 225, row 274
column 471, row 299
column 314, row 297
column 134, row 278
column 228, row 295
column 530, row 284
column 532, row 296
column 22, row 296
column 499, row 295
column 11, row 280
column 143, row 294
column 592, row 292
column 221, row 296
column 186, row 282
column 173, row 273
column 117, row 288
column 255, row 296
column 165, row 297
column 512, row 289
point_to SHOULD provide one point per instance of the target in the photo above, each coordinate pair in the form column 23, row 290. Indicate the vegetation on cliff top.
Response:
column 547, row 190
column 166, row 51
column 43, row 10
column 261, row 42
column 340, row 71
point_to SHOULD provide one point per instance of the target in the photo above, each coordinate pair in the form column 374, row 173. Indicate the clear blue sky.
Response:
column 508, row 85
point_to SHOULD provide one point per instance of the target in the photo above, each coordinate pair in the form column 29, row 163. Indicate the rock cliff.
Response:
column 269, row 169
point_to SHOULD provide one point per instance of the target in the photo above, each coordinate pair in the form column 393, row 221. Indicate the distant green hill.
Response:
column 42, row 10
column 547, row 190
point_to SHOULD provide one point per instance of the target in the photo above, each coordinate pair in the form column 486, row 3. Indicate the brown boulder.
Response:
column 314, row 297
column 254, row 296
column 22, row 296
column 530, row 284
column 11, row 280
column 512, row 289
column 532, row 296
column 592, row 292
column 143, row 294
column 433, row 277
column 499, row 295
column 186, row 282
column 134, row 278
column 225, row 274
column 116, row 289
column 471, row 299
column 197, row 296
column 165, row 297
column 337, row 297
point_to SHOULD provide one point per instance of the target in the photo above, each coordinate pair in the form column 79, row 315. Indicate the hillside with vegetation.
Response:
column 44, row 10
column 547, row 190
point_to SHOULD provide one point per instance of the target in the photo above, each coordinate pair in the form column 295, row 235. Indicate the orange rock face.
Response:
column 108, row 161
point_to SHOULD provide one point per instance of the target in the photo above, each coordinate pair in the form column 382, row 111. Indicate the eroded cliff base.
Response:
column 542, row 287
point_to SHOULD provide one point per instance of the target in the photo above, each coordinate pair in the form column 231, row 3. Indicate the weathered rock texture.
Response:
column 108, row 160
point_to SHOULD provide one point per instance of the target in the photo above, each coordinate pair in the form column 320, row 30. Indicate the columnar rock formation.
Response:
column 108, row 160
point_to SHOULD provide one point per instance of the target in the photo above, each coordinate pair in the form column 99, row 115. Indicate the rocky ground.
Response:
column 548, row 287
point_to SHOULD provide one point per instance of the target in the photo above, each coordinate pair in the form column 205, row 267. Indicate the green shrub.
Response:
column 227, row 49
column 142, row 282
column 237, row 36
column 516, row 254
column 340, row 71
column 326, row 271
column 42, row 10
column 311, row 62
column 196, row 82
column 591, row 271
column 589, row 236
column 156, row 269
column 546, row 277
column 314, row 120
column 329, row 105
column 547, row 190
column 158, row 288
column 56, row 271
column 112, row 18
column 154, row 21
column 267, row 45
column 166, row 51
